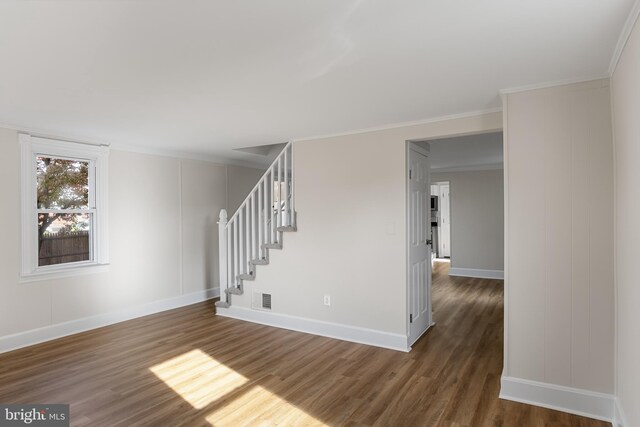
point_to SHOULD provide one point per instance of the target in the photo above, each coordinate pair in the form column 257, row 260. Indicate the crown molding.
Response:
column 60, row 136
column 401, row 124
column 550, row 84
column 40, row 133
column 624, row 36
column 184, row 155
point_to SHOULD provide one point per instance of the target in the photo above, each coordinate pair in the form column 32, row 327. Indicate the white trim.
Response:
column 616, row 305
column 69, row 270
column 131, row 148
column 402, row 124
column 318, row 327
column 566, row 399
column 57, row 136
column 476, row 272
column 545, row 85
column 409, row 343
column 619, row 419
column 624, row 36
column 470, row 168
column 176, row 154
column 48, row 333
column 506, row 286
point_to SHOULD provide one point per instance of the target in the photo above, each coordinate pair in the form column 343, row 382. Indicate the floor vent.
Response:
column 261, row 301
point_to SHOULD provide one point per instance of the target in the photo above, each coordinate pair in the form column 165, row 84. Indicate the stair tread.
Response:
column 272, row 246
column 261, row 261
column 234, row 290
column 222, row 304
column 287, row 228
column 246, row 277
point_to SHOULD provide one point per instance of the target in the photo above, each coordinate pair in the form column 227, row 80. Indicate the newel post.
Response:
column 222, row 251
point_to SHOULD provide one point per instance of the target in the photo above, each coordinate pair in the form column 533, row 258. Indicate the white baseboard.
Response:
column 476, row 272
column 48, row 333
column 566, row 399
column 619, row 419
column 318, row 327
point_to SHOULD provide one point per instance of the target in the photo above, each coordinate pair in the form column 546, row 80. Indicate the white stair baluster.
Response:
column 293, row 197
column 260, row 235
column 279, row 222
column 265, row 215
column 228, row 231
column 272, row 230
column 286, row 220
column 254, row 234
column 247, row 235
column 241, row 241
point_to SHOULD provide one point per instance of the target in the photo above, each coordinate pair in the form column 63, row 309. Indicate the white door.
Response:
column 419, row 229
column 444, row 239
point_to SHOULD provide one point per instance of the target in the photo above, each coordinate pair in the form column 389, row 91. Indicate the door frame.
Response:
column 448, row 184
column 413, row 146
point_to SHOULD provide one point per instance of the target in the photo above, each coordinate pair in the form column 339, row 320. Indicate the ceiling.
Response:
column 471, row 152
column 209, row 76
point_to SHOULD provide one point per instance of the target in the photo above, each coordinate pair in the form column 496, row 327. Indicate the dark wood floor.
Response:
column 189, row 367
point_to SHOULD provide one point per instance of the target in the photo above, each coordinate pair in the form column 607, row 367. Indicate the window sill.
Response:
column 60, row 272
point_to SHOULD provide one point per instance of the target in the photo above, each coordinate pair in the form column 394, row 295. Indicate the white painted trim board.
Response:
column 619, row 419
column 585, row 403
column 401, row 125
column 477, row 273
column 625, row 33
column 546, row 85
column 318, row 327
column 52, row 332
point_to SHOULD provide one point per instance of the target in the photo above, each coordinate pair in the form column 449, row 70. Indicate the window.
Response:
column 64, row 224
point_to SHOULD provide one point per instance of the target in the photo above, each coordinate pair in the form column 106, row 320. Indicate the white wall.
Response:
column 477, row 218
column 350, row 243
column 163, row 240
column 559, row 275
column 626, row 126
column 241, row 182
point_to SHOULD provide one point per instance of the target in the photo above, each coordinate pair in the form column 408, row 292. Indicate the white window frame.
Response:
column 98, row 157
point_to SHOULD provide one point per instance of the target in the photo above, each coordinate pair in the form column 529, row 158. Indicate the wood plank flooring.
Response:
column 189, row 367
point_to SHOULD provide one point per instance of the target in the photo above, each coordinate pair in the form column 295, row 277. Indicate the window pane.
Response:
column 62, row 184
column 64, row 238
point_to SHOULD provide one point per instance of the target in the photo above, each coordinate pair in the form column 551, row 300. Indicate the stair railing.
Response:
column 245, row 239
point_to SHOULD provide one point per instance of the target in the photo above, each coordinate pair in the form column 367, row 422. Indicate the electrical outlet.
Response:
column 327, row 300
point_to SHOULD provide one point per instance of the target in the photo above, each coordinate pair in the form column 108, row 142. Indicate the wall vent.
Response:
column 261, row 301
column 266, row 301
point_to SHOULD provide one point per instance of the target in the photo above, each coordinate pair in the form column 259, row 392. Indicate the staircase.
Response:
column 257, row 227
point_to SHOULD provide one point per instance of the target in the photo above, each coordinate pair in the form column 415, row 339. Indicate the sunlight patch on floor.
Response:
column 198, row 378
column 259, row 407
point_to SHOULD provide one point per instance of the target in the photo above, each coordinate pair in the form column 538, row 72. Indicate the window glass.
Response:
column 62, row 183
column 64, row 238
column 64, row 234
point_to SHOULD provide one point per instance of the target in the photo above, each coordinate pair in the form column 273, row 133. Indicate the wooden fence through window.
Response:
column 64, row 247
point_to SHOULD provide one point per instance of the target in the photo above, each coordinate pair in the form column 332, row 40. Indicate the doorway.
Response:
column 466, row 180
column 441, row 219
